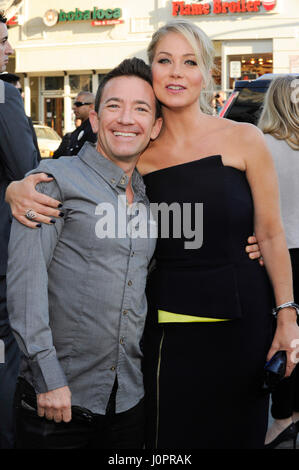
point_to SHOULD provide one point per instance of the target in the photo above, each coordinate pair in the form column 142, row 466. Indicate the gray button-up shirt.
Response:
column 76, row 298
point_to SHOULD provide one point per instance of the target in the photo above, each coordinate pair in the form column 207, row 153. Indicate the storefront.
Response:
column 65, row 46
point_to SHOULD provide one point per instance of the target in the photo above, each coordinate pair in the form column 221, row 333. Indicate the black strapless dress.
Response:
column 203, row 379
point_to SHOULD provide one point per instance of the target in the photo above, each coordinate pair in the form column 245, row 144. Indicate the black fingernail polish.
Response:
column 61, row 214
column 53, row 221
column 59, row 206
column 38, row 225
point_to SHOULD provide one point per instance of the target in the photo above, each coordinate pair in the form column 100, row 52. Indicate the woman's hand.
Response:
column 253, row 250
column 286, row 338
column 22, row 196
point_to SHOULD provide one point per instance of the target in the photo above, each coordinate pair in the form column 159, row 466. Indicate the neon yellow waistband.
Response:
column 168, row 317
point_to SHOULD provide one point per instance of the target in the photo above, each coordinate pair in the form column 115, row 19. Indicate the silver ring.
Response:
column 30, row 214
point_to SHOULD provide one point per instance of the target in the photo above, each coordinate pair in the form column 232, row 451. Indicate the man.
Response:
column 65, row 143
column 15, row 81
column 83, row 104
column 17, row 156
column 76, row 296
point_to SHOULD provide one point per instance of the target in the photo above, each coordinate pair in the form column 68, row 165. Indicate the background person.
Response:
column 83, row 104
column 280, row 123
column 15, row 81
column 17, row 156
column 65, row 143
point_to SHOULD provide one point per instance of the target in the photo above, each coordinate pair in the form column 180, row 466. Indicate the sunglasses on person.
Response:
column 78, row 104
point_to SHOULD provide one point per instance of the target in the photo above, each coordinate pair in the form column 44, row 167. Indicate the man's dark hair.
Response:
column 2, row 17
column 128, row 68
column 9, row 77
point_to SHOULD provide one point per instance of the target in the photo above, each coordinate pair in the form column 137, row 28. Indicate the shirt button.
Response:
column 123, row 180
column 112, row 368
column 132, row 254
column 121, row 340
column 113, row 181
column 130, row 283
column 125, row 312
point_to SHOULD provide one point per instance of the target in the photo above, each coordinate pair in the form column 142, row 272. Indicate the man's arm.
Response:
column 30, row 254
column 17, row 150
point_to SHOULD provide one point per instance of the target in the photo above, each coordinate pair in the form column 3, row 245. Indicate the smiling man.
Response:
column 76, row 301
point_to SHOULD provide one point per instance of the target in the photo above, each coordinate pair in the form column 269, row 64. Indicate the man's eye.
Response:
column 112, row 106
column 141, row 109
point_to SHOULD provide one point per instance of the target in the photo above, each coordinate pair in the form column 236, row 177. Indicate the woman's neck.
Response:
column 180, row 122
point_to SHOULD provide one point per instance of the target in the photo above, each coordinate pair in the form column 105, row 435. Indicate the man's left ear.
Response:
column 156, row 128
column 94, row 122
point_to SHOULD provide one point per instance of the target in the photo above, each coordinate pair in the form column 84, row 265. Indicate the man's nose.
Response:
column 8, row 49
column 126, row 116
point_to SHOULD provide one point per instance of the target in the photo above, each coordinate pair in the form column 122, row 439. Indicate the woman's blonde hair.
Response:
column 203, row 50
column 280, row 115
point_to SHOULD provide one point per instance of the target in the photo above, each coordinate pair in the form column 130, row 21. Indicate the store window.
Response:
column 54, row 83
column 251, row 66
column 80, row 83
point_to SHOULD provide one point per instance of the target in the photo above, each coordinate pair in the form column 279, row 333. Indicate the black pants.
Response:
column 9, row 369
column 84, row 431
column 285, row 399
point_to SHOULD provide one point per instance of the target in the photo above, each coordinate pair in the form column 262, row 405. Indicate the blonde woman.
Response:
column 280, row 123
column 209, row 328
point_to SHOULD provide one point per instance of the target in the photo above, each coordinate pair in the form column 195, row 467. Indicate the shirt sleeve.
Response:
column 18, row 153
column 30, row 253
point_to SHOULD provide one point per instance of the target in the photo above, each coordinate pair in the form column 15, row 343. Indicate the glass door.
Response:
column 54, row 114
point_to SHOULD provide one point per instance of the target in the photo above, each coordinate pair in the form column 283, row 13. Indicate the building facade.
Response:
column 63, row 46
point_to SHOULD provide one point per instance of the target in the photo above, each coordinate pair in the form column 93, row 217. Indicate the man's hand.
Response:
column 22, row 195
column 55, row 404
column 253, row 250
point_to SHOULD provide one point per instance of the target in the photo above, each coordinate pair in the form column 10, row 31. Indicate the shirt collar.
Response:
column 110, row 172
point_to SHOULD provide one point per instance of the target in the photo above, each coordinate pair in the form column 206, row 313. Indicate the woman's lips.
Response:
column 175, row 88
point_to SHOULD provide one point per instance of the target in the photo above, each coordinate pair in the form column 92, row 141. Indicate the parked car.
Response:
column 48, row 140
column 245, row 102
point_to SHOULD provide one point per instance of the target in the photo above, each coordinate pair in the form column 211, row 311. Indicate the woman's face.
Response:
column 177, row 79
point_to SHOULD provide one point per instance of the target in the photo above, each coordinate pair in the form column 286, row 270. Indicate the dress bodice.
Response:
column 209, row 274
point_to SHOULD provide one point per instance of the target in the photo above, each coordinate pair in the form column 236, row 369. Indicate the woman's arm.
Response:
column 270, row 234
column 22, row 195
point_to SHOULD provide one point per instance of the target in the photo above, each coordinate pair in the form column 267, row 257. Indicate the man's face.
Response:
column 82, row 112
column 126, row 121
column 5, row 48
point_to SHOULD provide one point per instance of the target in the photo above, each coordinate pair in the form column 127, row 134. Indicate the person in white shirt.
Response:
column 280, row 123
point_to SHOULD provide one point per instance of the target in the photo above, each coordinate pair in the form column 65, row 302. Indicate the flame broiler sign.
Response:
column 219, row 7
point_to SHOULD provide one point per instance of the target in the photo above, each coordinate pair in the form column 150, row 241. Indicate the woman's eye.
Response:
column 191, row 62
column 163, row 61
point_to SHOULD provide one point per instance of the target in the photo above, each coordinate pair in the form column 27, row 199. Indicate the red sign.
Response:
column 220, row 7
column 106, row 22
column 13, row 21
